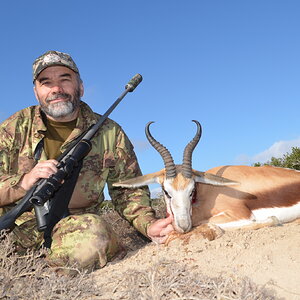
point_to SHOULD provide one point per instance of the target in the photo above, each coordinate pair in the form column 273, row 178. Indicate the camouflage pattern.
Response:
column 85, row 241
column 111, row 159
column 52, row 58
column 25, row 234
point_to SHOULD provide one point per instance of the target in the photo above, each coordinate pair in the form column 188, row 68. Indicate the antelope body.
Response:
column 263, row 193
column 227, row 196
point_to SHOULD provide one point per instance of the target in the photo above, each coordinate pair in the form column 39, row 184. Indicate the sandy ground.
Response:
column 269, row 257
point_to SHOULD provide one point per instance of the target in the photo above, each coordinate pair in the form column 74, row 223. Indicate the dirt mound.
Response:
column 260, row 264
column 245, row 265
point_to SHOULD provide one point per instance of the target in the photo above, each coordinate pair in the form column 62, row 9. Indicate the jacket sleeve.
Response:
column 132, row 204
column 10, row 191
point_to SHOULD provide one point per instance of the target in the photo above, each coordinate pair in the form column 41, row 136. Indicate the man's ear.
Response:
column 81, row 89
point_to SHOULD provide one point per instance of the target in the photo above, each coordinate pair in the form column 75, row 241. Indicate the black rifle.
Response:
column 40, row 196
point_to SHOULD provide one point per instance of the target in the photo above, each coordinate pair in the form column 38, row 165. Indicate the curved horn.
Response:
column 163, row 151
column 188, row 151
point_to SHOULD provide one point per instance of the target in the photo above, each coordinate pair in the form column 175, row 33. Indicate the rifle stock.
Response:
column 7, row 221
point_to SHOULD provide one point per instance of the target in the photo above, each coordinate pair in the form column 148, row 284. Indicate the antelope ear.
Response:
column 156, row 177
column 212, row 179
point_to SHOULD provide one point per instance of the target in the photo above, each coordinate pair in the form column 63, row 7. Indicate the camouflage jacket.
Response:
column 111, row 159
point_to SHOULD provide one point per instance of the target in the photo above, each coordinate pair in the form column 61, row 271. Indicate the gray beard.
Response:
column 61, row 109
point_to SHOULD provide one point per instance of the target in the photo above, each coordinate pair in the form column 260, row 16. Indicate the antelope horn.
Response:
column 163, row 151
column 188, row 151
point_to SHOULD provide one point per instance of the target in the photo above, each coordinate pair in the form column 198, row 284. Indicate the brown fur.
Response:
column 180, row 182
column 260, row 187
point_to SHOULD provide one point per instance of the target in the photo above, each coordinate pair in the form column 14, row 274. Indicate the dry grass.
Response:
column 29, row 277
column 170, row 281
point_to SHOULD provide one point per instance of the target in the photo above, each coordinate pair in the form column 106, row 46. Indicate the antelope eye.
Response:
column 192, row 193
column 166, row 193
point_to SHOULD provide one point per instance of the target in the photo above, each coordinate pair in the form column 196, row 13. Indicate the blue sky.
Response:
column 232, row 65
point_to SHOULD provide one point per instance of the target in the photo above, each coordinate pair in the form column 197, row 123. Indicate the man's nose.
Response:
column 57, row 88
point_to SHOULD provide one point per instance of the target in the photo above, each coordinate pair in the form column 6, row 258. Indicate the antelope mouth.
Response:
column 181, row 225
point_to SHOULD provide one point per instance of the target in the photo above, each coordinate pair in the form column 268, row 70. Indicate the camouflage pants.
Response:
column 85, row 241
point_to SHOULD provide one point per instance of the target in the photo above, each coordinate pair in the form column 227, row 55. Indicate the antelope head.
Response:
column 178, row 182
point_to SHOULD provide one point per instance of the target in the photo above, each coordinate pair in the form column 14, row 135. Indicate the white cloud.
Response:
column 278, row 149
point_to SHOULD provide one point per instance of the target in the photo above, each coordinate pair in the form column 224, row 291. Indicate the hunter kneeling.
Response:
column 33, row 147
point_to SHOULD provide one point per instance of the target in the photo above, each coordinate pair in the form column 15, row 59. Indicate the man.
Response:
column 33, row 138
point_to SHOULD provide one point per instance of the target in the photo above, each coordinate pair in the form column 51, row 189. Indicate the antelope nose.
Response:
column 183, row 226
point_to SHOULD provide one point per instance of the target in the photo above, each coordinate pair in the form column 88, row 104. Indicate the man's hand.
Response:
column 158, row 231
column 42, row 170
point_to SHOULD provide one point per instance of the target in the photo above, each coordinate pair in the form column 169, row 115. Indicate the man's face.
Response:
column 58, row 90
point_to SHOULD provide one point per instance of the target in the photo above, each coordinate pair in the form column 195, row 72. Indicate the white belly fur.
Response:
column 283, row 214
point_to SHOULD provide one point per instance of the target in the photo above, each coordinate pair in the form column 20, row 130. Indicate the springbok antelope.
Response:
column 246, row 196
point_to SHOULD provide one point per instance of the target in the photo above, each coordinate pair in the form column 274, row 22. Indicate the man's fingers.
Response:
column 159, row 240
column 48, row 166
column 165, row 231
column 42, row 170
column 160, row 229
column 165, row 222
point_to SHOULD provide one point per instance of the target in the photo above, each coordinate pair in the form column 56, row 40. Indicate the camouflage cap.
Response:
column 52, row 58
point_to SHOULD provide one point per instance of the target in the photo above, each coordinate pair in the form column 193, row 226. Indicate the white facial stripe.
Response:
column 180, row 204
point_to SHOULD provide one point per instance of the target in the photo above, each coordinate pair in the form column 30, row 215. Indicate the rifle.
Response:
column 39, row 196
